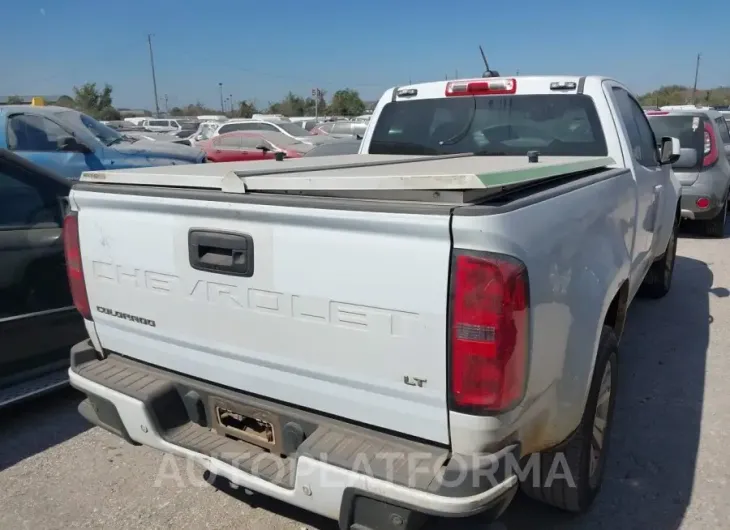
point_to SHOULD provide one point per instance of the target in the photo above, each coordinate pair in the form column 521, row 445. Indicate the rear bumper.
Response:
column 709, row 187
column 339, row 470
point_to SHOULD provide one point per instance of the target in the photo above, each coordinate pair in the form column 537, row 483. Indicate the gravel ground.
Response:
column 669, row 467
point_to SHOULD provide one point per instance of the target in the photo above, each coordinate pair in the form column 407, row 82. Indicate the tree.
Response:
column 312, row 107
column 291, row 105
column 94, row 102
column 346, row 102
column 65, row 101
column 682, row 95
column 15, row 100
column 109, row 114
column 246, row 109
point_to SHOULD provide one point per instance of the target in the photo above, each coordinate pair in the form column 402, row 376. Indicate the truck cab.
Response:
column 558, row 115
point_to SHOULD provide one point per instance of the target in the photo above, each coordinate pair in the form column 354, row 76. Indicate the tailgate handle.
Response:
column 221, row 252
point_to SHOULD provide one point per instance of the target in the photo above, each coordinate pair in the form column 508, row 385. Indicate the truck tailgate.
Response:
column 344, row 312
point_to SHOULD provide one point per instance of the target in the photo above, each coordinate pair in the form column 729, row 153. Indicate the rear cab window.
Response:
column 511, row 125
column 687, row 128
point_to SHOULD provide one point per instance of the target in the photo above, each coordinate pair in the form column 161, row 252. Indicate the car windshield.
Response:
column 104, row 134
column 553, row 124
column 189, row 125
column 293, row 129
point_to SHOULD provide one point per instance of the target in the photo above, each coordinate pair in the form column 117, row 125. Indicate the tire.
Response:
column 715, row 227
column 658, row 280
column 575, row 488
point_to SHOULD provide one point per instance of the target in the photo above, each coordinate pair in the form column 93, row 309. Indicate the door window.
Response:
column 641, row 137
column 236, row 127
column 724, row 132
column 27, row 132
column 21, row 205
column 266, row 127
column 35, row 278
column 227, row 142
column 253, row 143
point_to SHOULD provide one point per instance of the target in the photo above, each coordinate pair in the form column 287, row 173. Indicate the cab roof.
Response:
column 552, row 84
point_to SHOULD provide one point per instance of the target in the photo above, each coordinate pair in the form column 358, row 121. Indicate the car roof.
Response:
column 708, row 113
column 250, row 120
column 46, row 109
column 273, row 135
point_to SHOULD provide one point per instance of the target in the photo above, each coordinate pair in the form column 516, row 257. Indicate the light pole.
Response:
column 220, row 85
column 230, row 99
column 154, row 79
column 697, row 74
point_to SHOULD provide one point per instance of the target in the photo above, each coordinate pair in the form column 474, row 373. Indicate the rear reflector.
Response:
column 702, row 203
column 489, row 332
column 483, row 87
column 74, row 269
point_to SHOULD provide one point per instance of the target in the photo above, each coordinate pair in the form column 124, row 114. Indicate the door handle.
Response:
column 656, row 204
column 221, row 252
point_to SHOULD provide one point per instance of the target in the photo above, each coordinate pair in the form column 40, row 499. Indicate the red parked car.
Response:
column 245, row 146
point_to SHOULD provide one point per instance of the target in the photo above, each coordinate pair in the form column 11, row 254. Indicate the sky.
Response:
column 260, row 51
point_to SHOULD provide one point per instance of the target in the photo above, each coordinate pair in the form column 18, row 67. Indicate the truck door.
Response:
column 642, row 156
column 37, row 138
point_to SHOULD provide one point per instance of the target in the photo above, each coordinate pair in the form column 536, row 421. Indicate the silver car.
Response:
column 343, row 147
column 703, row 168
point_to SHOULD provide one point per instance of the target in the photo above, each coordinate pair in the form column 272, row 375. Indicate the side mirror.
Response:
column 669, row 150
column 72, row 145
column 264, row 148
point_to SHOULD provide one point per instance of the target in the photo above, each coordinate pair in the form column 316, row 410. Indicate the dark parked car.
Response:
column 38, row 323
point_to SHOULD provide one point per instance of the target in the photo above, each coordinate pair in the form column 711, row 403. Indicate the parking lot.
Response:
column 669, row 463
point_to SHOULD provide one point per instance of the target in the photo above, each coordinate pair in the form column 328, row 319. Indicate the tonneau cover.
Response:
column 355, row 172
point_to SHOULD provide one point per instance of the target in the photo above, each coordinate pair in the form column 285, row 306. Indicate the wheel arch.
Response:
column 615, row 317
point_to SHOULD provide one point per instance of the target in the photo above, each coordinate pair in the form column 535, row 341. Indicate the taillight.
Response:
column 710, row 147
column 489, row 332
column 657, row 112
column 74, row 269
column 483, row 87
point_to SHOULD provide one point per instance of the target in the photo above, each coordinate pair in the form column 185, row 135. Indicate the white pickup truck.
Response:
column 416, row 329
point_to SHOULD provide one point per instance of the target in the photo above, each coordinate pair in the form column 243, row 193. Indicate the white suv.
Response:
column 294, row 130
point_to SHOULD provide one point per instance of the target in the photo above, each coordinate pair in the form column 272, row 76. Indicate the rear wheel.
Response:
column 715, row 227
column 658, row 280
column 570, row 477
